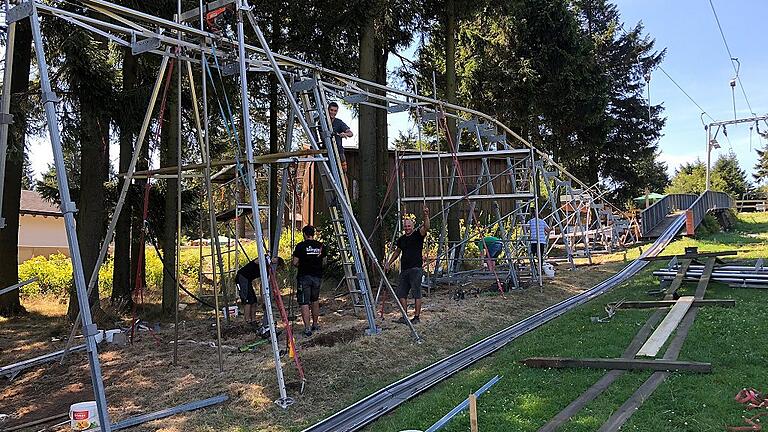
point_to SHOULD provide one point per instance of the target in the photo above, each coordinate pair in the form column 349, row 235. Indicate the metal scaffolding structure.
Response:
column 534, row 183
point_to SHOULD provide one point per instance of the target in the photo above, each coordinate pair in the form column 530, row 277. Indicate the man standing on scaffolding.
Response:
column 411, row 245
column 244, row 278
column 308, row 256
column 340, row 130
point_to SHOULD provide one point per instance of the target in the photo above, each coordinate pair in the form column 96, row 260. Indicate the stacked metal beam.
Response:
column 733, row 275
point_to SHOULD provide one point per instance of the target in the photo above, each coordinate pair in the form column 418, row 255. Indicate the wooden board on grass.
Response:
column 668, row 325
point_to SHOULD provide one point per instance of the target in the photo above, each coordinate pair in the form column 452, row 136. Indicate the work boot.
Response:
column 307, row 332
column 315, row 327
column 415, row 320
column 401, row 320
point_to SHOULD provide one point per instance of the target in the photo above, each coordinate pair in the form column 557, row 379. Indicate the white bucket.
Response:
column 548, row 269
column 233, row 311
column 83, row 416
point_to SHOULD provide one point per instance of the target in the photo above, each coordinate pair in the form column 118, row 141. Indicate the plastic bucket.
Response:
column 548, row 270
column 83, row 416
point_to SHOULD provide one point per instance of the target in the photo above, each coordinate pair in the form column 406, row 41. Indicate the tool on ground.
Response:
column 610, row 309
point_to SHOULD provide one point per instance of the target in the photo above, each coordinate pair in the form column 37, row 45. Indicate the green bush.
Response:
column 54, row 276
column 709, row 225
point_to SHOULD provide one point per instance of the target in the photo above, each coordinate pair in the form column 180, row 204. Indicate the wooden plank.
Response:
column 472, row 412
column 678, row 281
column 617, row 363
column 668, row 325
column 698, row 255
column 599, row 387
column 632, row 404
column 668, row 303
column 706, row 275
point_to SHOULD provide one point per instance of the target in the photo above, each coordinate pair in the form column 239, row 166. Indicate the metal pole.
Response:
column 68, row 210
column 5, row 114
column 284, row 400
column 536, row 208
column 177, row 270
column 708, row 149
column 204, row 150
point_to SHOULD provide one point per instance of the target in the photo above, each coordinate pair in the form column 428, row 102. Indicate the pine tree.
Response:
column 734, row 179
column 761, row 167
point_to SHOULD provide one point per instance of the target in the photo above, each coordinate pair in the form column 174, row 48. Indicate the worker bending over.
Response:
column 244, row 278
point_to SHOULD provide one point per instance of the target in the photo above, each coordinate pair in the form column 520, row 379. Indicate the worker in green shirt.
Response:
column 492, row 247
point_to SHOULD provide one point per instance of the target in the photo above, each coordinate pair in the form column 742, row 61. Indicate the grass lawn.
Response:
column 733, row 340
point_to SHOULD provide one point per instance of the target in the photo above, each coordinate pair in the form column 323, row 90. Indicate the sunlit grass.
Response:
column 732, row 339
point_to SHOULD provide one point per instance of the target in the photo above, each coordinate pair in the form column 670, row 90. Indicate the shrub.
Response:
column 54, row 276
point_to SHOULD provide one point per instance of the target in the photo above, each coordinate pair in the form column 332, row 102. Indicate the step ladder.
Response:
column 309, row 93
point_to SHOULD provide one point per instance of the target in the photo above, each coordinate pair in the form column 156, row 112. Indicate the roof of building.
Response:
column 32, row 203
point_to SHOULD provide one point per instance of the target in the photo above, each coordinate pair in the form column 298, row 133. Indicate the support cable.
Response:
column 731, row 57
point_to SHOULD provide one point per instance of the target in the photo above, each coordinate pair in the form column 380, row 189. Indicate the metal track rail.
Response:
column 361, row 413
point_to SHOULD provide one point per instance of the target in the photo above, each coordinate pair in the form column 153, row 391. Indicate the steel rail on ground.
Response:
column 367, row 410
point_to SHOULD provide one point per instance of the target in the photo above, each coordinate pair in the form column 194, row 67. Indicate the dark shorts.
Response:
column 538, row 246
column 308, row 289
column 494, row 249
column 245, row 289
column 410, row 282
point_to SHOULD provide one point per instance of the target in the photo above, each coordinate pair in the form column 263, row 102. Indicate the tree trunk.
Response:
column 94, row 170
column 273, row 133
column 454, row 231
column 9, row 236
column 368, row 122
column 121, row 273
column 382, row 146
column 136, row 195
column 169, row 157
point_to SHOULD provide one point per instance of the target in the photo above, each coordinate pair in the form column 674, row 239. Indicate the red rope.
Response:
column 138, row 289
column 286, row 322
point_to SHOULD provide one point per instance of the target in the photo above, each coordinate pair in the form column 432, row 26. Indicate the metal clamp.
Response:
column 23, row 10
column 284, row 402
column 6, row 118
column 230, row 69
column 144, row 45
column 50, row 96
column 90, row 330
column 68, row 207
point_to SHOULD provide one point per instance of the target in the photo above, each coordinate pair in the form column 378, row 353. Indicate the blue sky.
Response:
column 696, row 58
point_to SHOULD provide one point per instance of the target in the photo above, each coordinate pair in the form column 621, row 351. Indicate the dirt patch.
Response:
column 341, row 363
column 333, row 338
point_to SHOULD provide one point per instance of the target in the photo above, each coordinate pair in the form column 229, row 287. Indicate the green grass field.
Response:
column 733, row 340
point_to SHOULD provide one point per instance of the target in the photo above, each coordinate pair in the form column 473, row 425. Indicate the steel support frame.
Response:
column 68, row 210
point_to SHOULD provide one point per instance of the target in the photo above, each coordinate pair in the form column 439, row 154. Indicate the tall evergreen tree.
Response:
column 761, row 167
column 734, row 179
column 9, row 235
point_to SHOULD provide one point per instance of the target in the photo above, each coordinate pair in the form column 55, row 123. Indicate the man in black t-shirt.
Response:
column 411, row 246
column 340, row 130
column 244, row 278
column 309, row 256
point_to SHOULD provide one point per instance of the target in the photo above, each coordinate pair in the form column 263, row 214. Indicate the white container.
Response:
column 83, row 416
column 233, row 311
column 110, row 334
column 548, row 270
